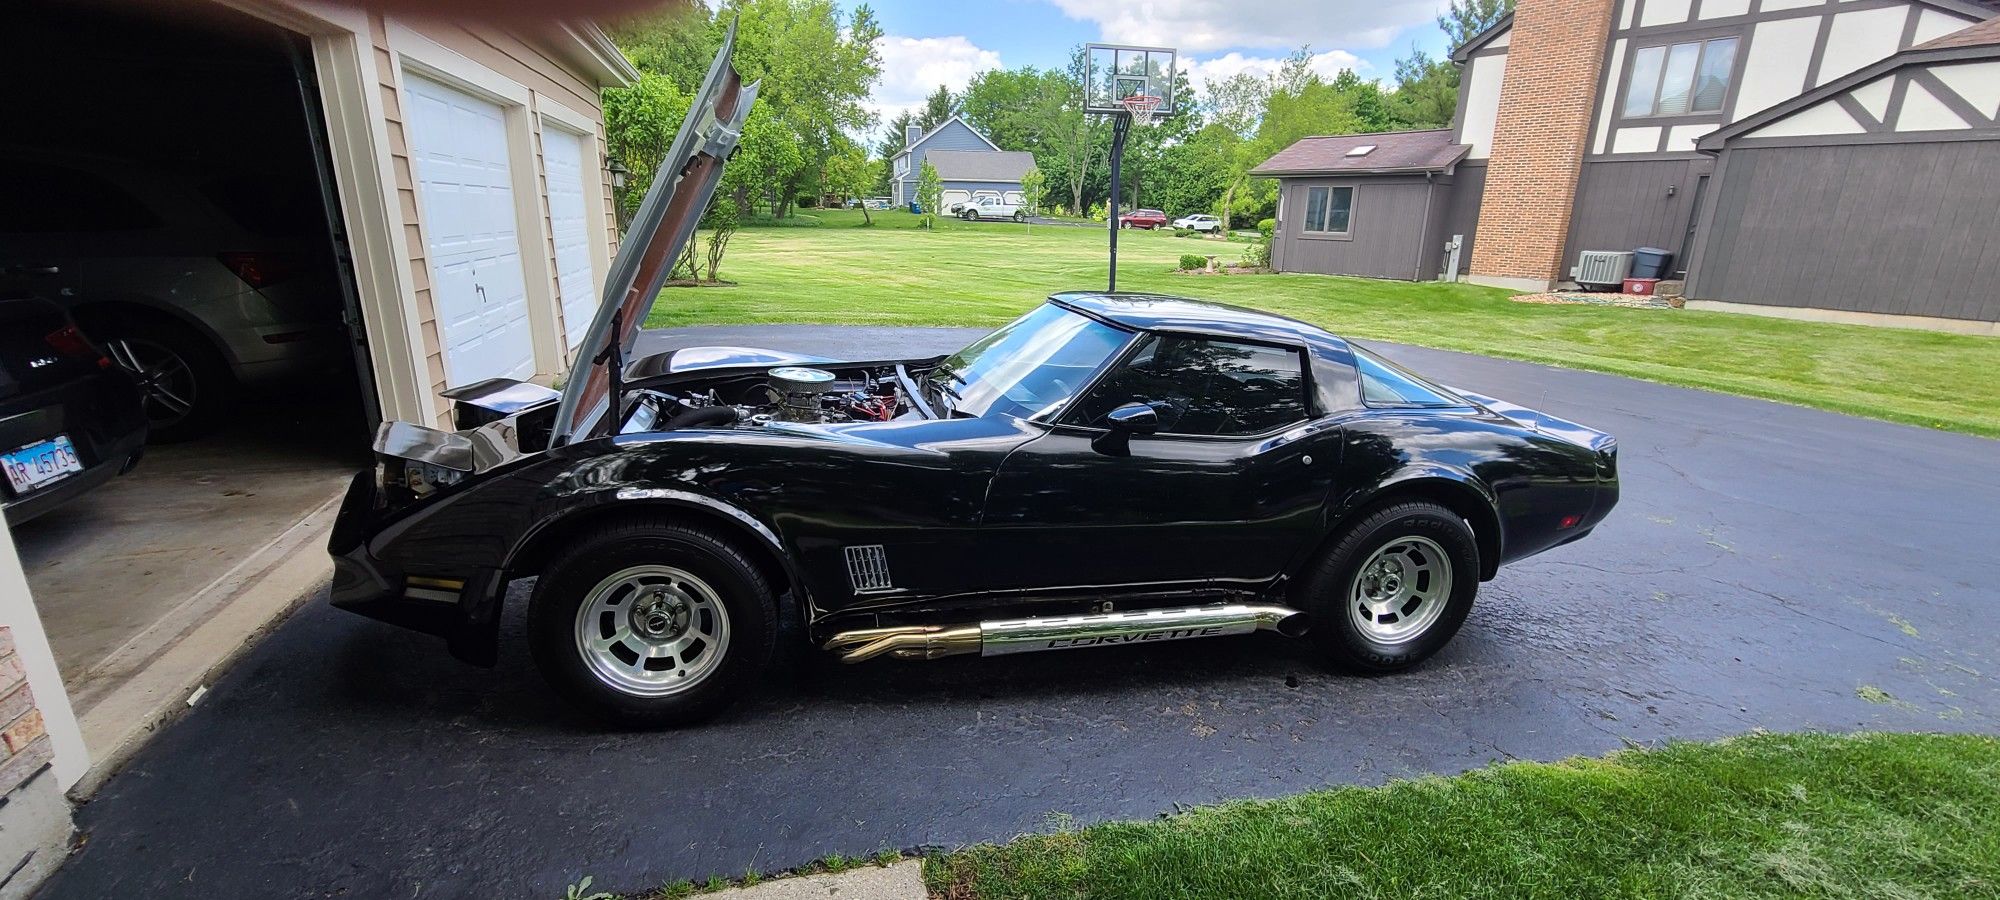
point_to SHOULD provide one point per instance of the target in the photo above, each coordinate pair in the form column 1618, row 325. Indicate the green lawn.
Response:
column 987, row 273
column 1760, row 816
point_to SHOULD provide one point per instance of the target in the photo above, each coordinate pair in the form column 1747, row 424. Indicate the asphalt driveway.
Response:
column 1769, row 567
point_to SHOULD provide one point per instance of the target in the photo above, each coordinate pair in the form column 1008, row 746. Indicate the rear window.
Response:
column 1383, row 383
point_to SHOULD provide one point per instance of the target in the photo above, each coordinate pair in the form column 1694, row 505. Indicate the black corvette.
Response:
column 1107, row 469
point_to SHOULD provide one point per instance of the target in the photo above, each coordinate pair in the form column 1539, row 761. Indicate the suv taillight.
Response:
column 258, row 270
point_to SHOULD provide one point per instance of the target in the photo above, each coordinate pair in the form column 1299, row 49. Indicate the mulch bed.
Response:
column 1594, row 298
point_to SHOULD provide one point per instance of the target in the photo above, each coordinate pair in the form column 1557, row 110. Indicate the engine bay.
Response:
column 793, row 394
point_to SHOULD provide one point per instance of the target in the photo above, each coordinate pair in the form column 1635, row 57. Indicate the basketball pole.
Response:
column 1120, row 123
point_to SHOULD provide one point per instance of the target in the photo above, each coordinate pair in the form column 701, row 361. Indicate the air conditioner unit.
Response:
column 1602, row 267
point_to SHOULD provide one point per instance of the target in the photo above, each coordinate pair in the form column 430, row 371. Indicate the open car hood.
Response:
column 666, row 220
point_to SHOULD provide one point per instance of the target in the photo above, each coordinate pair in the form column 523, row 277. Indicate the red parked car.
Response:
column 1143, row 218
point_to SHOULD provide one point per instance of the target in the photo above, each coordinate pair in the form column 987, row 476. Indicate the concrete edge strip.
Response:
column 123, row 717
column 897, row 881
column 140, row 651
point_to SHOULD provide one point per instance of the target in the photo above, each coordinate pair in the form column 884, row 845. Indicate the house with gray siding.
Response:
column 969, row 165
column 1583, row 122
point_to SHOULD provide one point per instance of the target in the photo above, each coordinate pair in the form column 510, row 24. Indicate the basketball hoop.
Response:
column 1141, row 107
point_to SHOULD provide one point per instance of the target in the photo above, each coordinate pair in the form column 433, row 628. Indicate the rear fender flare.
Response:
column 1458, row 490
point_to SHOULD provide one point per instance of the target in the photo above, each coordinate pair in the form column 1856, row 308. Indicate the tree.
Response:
column 938, row 107
column 1464, row 19
column 930, row 192
column 817, row 65
column 720, row 221
column 1076, row 141
column 1426, row 93
column 851, row 173
column 639, row 123
column 1033, row 183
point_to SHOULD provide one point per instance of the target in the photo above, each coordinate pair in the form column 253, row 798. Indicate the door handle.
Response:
column 34, row 270
column 482, row 292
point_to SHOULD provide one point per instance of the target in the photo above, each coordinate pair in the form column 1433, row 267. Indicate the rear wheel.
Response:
column 652, row 623
column 1020, row 217
column 1393, row 588
column 185, row 382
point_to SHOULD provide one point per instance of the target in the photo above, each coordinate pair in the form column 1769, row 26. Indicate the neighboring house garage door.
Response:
column 562, row 159
column 459, row 145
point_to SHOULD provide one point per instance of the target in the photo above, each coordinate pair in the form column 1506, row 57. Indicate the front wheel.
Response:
column 972, row 215
column 652, row 622
column 1393, row 588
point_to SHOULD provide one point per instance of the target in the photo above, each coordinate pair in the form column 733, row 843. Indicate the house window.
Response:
column 902, row 165
column 1681, row 79
column 1329, row 209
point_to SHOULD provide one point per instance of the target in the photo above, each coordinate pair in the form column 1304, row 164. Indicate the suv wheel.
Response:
column 1393, row 588
column 184, row 380
column 652, row 622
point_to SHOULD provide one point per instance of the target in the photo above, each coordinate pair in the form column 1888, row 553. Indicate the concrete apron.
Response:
column 163, row 671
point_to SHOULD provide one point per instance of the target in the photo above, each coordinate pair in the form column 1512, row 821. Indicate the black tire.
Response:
column 185, row 380
column 1020, row 217
column 1331, row 581
column 745, row 598
column 972, row 215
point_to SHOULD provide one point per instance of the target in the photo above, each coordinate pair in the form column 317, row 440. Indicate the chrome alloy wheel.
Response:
column 1400, row 591
column 167, row 379
column 652, row 631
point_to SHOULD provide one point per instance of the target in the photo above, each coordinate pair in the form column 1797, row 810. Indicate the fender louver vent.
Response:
column 868, row 568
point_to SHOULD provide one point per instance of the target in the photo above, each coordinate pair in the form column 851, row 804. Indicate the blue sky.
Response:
column 929, row 42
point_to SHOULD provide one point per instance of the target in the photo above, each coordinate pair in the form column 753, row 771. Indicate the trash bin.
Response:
column 916, row 209
column 1650, row 262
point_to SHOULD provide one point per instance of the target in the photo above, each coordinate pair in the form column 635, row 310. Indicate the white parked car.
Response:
column 1199, row 223
column 992, row 208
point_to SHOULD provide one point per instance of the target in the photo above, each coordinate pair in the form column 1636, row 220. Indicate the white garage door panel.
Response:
column 562, row 160
column 458, row 144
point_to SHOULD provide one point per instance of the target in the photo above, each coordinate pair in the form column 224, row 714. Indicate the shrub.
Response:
column 1186, row 232
column 1258, row 255
column 1193, row 261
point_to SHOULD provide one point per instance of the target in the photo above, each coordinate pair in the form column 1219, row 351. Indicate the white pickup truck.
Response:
column 992, row 208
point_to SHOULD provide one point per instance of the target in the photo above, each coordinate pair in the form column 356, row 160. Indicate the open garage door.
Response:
column 459, row 145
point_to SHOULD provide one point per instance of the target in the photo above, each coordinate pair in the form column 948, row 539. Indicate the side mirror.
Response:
column 1121, row 424
column 1134, row 418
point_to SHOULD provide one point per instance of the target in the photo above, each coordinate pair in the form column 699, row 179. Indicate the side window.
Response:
column 1382, row 384
column 1205, row 387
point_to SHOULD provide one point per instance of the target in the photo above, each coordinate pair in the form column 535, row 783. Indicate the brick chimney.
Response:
column 1555, row 55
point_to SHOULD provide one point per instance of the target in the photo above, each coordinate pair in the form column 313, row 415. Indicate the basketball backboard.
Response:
column 1114, row 72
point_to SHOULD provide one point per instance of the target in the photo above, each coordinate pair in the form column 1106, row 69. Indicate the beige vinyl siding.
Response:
column 521, row 62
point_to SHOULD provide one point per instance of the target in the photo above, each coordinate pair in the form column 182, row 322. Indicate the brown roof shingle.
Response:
column 1981, row 35
column 1395, row 151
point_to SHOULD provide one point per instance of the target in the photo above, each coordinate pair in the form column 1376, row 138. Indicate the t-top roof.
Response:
column 1395, row 151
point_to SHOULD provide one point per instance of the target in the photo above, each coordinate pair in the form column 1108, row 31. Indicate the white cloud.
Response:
column 1195, row 26
column 1209, row 71
column 913, row 67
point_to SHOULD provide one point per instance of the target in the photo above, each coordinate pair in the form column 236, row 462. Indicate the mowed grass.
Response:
column 1875, row 815
column 983, row 274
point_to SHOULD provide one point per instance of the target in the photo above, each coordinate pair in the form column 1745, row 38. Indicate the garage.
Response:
column 1882, row 161
column 277, row 224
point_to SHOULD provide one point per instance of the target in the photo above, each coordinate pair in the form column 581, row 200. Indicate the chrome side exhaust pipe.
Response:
column 1003, row 636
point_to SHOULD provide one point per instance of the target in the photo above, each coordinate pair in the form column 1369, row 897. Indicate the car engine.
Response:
column 794, row 394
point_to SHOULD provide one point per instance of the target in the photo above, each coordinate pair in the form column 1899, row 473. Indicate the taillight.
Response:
column 71, row 344
column 258, row 270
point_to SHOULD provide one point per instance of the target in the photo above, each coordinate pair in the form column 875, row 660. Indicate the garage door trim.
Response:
column 557, row 116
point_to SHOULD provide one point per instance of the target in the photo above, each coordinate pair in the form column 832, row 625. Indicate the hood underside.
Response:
column 666, row 220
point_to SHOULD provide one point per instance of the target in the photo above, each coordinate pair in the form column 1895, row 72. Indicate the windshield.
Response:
column 1031, row 366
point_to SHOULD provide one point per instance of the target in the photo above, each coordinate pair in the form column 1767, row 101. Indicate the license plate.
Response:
column 40, row 463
